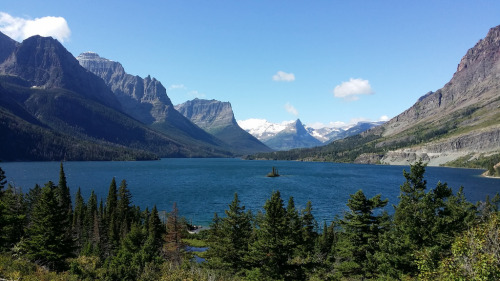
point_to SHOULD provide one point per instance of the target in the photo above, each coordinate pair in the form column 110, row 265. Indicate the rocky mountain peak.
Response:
column 487, row 48
column 45, row 63
column 208, row 114
column 7, row 46
column 145, row 99
column 472, row 84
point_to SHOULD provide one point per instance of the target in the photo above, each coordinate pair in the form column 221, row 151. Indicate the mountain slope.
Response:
column 460, row 120
column 53, row 109
column 146, row 100
column 45, row 63
column 217, row 118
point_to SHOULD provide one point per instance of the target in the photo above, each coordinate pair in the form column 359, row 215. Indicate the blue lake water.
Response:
column 204, row 186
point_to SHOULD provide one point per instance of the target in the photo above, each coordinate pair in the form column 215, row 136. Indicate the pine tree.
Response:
column 3, row 181
column 173, row 238
column 362, row 228
column 12, row 217
column 63, row 193
column 124, row 210
column 425, row 223
column 232, row 238
column 111, row 217
column 156, row 229
column 273, row 249
column 47, row 242
column 78, row 219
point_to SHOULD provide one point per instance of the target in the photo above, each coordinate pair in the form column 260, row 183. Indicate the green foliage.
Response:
column 47, row 242
column 425, row 223
column 481, row 162
column 231, row 238
column 433, row 235
column 361, row 229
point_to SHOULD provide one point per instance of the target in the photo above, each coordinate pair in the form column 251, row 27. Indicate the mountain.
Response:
column 146, row 100
column 45, row 63
column 293, row 136
column 217, row 118
column 266, row 131
column 459, row 122
column 263, row 129
column 358, row 128
column 51, row 108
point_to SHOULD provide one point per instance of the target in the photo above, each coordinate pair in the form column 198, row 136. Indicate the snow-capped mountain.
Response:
column 267, row 132
column 263, row 129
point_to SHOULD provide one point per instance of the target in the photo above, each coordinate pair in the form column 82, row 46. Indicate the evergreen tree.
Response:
column 425, row 223
column 156, row 229
column 308, row 225
column 78, row 219
column 273, row 249
column 232, row 238
column 173, row 238
column 63, row 193
column 111, row 218
column 124, row 213
column 47, row 242
column 3, row 180
column 361, row 230
column 12, row 217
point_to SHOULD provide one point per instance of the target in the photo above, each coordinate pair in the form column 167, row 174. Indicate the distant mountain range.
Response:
column 294, row 134
column 456, row 125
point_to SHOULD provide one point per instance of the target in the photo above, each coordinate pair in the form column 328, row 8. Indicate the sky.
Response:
column 325, row 62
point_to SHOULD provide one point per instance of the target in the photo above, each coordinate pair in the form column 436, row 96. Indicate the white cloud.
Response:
column 384, row 118
column 20, row 28
column 291, row 109
column 283, row 76
column 351, row 89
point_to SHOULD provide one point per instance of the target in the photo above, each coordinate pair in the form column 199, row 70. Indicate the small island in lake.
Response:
column 274, row 173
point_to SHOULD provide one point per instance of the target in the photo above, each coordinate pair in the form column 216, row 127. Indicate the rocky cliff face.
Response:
column 146, row 100
column 462, row 118
column 210, row 115
column 45, row 63
column 474, row 83
column 7, row 46
column 143, row 98
column 217, row 118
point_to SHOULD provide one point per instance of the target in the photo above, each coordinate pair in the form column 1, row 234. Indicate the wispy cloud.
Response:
column 283, row 76
column 20, row 28
column 177, row 86
column 291, row 109
column 350, row 90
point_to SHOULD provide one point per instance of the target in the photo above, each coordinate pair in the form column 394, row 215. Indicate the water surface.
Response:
column 204, row 186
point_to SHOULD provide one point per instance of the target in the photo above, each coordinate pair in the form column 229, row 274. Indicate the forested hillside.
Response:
column 433, row 234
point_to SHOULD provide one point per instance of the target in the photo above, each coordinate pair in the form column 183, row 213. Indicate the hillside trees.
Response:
column 424, row 224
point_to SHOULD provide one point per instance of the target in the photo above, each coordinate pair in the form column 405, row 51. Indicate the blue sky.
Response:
column 320, row 61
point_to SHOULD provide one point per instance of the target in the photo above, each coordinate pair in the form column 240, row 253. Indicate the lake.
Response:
column 204, row 186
